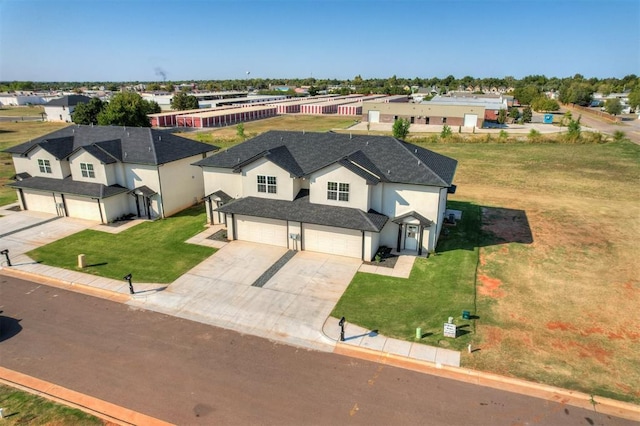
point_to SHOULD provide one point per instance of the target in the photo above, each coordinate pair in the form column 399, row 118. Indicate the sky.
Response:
column 176, row 40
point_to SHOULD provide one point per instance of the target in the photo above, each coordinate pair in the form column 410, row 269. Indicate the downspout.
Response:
column 64, row 205
column 24, row 202
column 362, row 257
column 235, row 226
column 420, row 242
column 100, row 210
column 399, row 237
column 161, row 200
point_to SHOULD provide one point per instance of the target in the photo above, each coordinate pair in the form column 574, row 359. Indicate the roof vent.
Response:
column 389, row 171
column 350, row 136
column 128, row 134
column 159, row 137
column 125, row 154
column 415, row 150
column 418, row 162
column 73, row 131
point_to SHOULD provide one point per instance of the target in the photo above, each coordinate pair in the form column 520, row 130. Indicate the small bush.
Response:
column 446, row 132
column 619, row 136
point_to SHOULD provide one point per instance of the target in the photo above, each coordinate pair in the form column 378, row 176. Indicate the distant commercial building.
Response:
column 424, row 113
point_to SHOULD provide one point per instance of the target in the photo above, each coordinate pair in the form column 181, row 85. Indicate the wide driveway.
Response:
column 291, row 307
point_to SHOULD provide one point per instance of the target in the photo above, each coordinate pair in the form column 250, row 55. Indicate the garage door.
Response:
column 83, row 208
column 261, row 230
column 374, row 116
column 325, row 239
column 470, row 120
column 40, row 202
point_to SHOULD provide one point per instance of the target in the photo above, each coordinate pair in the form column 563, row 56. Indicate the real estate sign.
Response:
column 450, row 330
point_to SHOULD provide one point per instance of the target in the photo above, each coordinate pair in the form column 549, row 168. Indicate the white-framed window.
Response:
column 45, row 166
column 267, row 184
column 87, row 170
column 338, row 191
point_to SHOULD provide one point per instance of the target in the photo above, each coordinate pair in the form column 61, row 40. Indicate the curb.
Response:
column 66, row 285
column 551, row 393
column 94, row 406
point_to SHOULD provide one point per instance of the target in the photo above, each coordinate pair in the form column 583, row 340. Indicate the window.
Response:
column 267, row 184
column 444, row 120
column 337, row 191
column 87, row 170
column 45, row 166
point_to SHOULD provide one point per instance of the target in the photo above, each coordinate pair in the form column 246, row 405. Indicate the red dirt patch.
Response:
column 493, row 337
column 628, row 389
column 592, row 330
column 490, row 287
column 590, row 350
column 559, row 325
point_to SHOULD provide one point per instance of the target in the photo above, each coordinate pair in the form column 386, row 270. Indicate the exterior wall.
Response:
column 59, row 113
column 181, row 184
column 284, row 183
column 398, row 199
column 113, row 174
column 83, row 156
column 371, row 244
column 332, row 240
column 137, row 175
column 59, row 169
column 222, row 179
column 117, row 206
column 294, row 228
column 358, row 191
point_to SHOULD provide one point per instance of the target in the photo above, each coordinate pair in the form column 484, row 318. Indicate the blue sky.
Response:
column 115, row 40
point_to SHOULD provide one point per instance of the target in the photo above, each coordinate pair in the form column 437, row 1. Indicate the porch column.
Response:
column 420, row 240
column 399, row 237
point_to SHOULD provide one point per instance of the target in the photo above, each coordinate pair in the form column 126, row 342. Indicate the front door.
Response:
column 411, row 239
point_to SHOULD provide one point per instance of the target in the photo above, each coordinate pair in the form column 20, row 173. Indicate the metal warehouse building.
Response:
column 226, row 117
column 424, row 113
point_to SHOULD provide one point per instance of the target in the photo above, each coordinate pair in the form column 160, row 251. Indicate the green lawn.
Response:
column 151, row 251
column 440, row 286
column 22, row 408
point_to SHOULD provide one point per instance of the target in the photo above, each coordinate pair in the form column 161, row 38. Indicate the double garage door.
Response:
column 83, row 208
column 323, row 239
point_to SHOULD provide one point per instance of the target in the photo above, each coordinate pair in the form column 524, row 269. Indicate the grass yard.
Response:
column 12, row 133
column 22, row 408
column 439, row 287
column 153, row 252
column 558, row 277
column 22, row 111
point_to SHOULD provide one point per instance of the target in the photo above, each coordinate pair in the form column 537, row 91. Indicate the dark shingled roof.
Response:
column 70, row 100
column 390, row 159
column 301, row 210
column 69, row 186
column 138, row 145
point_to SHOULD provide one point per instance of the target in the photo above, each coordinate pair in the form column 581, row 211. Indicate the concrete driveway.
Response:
column 23, row 231
column 291, row 307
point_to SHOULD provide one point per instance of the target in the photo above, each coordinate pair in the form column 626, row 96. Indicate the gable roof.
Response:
column 376, row 158
column 138, row 145
column 69, row 100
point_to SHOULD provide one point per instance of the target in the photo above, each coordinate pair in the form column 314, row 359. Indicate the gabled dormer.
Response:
column 91, row 163
column 46, row 158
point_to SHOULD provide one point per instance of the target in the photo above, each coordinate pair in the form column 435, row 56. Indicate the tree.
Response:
column 634, row 98
column 527, row 114
column 240, row 130
column 87, row 113
column 127, row 109
column 526, row 94
column 313, row 91
column 446, row 132
column 401, row 128
column 182, row 101
column 542, row 103
column 514, row 113
column 502, row 116
column 152, row 87
column 578, row 93
column 573, row 129
column 613, row 106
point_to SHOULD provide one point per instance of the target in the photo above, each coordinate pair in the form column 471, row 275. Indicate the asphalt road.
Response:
column 190, row 373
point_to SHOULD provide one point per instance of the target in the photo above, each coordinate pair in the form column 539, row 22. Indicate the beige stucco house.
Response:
column 329, row 192
column 102, row 173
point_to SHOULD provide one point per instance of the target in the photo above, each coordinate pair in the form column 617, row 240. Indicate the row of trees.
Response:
column 124, row 109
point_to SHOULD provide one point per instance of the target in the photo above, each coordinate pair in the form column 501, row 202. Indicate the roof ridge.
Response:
column 364, row 215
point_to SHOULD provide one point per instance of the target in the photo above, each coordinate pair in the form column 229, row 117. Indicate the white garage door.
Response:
column 41, row 202
column 83, row 208
column 374, row 116
column 325, row 239
column 470, row 120
column 261, row 230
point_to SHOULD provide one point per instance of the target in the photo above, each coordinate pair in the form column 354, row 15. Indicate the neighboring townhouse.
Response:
column 331, row 193
column 103, row 173
column 61, row 109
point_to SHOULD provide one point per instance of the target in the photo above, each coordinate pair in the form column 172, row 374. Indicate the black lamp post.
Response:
column 6, row 254
column 341, row 324
column 128, row 278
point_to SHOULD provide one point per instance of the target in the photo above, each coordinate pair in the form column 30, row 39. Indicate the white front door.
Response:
column 470, row 120
column 374, row 116
column 411, row 238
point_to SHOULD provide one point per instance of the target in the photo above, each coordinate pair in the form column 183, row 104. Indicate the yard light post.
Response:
column 6, row 254
column 341, row 324
column 128, row 278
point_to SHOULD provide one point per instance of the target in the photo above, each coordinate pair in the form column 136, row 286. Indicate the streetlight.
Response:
column 128, row 278
column 6, row 254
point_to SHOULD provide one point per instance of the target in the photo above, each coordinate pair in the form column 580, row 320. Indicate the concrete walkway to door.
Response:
column 291, row 307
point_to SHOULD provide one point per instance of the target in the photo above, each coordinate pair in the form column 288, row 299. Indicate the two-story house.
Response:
column 105, row 172
column 329, row 192
column 61, row 109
